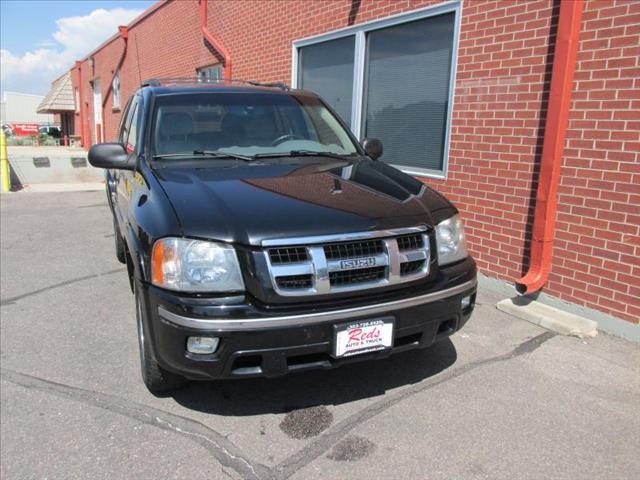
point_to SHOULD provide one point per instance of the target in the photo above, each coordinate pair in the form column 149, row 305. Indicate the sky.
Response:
column 40, row 40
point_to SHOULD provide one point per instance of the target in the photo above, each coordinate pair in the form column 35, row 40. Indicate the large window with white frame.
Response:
column 391, row 79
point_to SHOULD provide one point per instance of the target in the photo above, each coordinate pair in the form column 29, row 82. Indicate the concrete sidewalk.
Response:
column 502, row 399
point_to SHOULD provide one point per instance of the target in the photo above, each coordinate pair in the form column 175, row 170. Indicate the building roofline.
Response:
column 60, row 76
column 147, row 12
column 152, row 9
column 20, row 93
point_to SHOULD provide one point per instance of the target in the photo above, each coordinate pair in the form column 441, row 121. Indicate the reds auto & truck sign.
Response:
column 25, row 129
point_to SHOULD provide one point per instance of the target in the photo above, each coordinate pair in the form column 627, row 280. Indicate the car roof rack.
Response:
column 165, row 81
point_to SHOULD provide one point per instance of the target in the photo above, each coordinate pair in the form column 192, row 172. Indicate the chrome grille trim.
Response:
column 340, row 237
column 321, row 268
column 319, row 262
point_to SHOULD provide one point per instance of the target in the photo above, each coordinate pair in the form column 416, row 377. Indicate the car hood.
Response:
column 249, row 202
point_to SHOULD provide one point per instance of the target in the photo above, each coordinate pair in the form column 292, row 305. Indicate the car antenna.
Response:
column 135, row 39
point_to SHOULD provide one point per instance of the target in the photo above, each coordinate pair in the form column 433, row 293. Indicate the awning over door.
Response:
column 60, row 97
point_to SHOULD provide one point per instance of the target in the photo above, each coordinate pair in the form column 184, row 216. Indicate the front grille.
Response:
column 295, row 281
column 352, row 277
column 410, row 242
column 280, row 256
column 341, row 251
column 325, row 265
column 408, row 268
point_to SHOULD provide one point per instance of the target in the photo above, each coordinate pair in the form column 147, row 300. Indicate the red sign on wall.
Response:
column 25, row 129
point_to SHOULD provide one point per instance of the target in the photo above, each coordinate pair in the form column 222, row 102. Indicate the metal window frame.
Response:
column 76, row 99
column 116, row 91
column 210, row 68
column 360, row 31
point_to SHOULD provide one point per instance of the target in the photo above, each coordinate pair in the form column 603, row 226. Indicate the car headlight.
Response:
column 450, row 241
column 195, row 266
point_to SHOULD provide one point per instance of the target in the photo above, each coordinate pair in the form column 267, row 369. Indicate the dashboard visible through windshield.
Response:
column 244, row 124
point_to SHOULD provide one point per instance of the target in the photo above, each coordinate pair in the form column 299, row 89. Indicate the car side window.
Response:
column 132, row 136
column 124, row 122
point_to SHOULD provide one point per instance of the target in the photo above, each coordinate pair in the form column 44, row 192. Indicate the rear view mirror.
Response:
column 372, row 147
column 110, row 155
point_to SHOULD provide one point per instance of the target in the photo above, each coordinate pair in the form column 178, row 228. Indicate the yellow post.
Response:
column 4, row 161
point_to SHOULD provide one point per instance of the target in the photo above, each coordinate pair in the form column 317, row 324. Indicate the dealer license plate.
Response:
column 363, row 337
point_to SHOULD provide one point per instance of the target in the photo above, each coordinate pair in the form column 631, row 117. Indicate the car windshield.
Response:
column 246, row 124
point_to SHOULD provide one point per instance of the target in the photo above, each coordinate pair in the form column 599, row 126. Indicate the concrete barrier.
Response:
column 51, row 165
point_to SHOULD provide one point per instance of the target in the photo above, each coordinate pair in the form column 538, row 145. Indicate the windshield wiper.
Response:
column 246, row 158
column 221, row 154
column 172, row 155
column 304, row 153
column 204, row 153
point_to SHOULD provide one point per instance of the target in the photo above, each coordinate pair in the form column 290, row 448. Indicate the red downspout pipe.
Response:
column 215, row 43
column 81, row 102
column 124, row 34
column 555, row 130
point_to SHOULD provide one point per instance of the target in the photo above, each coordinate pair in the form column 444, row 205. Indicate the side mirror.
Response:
column 372, row 147
column 110, row 155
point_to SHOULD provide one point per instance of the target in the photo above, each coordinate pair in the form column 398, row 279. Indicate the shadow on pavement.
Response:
column 321, row 387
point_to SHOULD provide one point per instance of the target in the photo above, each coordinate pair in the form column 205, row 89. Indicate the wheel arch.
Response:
column 135, row 257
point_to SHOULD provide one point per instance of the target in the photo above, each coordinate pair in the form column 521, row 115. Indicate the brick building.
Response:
column 476, row 73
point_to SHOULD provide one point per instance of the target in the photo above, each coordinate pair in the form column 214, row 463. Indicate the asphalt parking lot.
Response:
column 501, row 399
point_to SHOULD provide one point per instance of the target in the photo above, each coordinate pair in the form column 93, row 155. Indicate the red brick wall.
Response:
column 597, row 255
column 502, row 82
column 167, row 43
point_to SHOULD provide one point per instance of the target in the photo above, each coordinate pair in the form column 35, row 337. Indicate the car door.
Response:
column 124, row 179
column 112, row 176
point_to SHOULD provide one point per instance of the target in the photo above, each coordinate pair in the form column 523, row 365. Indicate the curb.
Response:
column 548, row 317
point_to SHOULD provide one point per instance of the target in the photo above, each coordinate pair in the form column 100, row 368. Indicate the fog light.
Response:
column 202, row 345
column 465, row 303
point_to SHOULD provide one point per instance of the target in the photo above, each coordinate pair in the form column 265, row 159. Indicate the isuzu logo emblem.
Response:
column 357, row 263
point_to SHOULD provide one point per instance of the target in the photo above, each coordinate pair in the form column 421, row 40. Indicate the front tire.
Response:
column 157, row 380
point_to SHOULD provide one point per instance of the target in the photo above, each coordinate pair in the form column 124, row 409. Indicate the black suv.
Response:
column 261, row 238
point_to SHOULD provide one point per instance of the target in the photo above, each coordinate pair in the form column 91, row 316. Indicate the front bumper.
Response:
column 257, row 341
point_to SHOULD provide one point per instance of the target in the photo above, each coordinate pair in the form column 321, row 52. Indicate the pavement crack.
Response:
column 224, row 451
column 12, row 300
column 334, row 434
column 228, row 454
column 205, row 438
